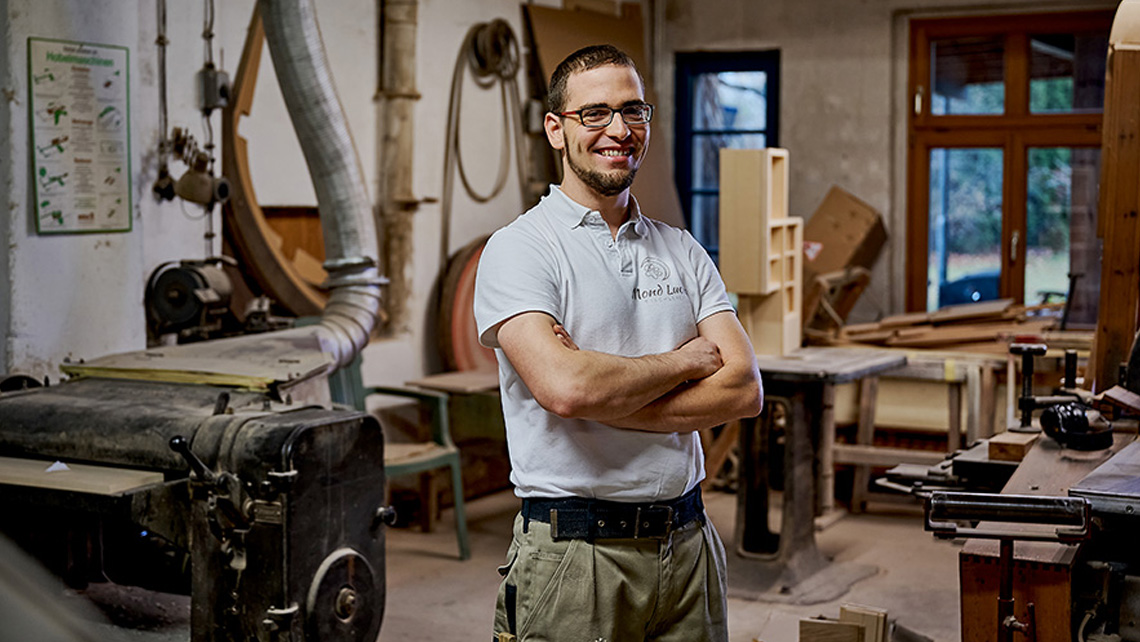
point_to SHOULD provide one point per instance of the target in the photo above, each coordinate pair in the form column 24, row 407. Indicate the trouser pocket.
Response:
column 531, row 575
column 506, row 604
column 540, row 604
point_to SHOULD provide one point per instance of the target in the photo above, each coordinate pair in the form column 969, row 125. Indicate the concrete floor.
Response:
column 433, row 597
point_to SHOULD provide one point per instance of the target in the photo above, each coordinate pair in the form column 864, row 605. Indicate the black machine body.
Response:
column 264, row 513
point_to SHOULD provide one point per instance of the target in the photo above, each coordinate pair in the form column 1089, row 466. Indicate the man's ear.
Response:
column 554, row 132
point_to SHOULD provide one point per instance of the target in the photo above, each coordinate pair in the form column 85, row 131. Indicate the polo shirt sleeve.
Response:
column 516, row 274
column 713, row 297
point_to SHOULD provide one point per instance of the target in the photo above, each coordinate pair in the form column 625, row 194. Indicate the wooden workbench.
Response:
column 802, row 383
column 823, row 368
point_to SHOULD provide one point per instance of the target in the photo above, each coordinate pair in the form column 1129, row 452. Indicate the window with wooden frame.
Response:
column 1004, row 158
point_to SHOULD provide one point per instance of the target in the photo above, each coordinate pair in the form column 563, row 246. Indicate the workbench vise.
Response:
column 269, row 514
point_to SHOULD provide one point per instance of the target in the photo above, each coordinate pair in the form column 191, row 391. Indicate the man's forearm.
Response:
column 604, row 387
column 584, row 384
column 732, row 392
column 727, row 395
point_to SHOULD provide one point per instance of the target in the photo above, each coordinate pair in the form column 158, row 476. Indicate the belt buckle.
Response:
column 638, row 524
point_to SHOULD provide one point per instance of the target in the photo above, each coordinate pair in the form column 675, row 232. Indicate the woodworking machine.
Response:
column 219, row 468
column 1085, row 587
column 267, row 512
column 1075, row 566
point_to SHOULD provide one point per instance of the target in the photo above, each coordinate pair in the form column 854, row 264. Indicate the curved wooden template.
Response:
column 457, row 333
column 254, row 240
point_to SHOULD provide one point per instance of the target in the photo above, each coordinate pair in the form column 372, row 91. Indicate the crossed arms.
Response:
column 705, row 382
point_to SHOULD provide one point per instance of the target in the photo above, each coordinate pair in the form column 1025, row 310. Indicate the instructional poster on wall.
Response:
column 80, row 129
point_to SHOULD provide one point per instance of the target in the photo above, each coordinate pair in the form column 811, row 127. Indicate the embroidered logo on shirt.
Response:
column 655, row 268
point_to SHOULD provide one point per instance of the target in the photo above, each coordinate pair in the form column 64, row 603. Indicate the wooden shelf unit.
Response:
column 761, row 247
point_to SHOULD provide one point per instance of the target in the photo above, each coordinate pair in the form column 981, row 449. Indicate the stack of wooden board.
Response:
column 976, row 327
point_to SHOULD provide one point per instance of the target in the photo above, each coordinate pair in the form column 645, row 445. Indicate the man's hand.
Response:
column 705, row 355
column 730, row 390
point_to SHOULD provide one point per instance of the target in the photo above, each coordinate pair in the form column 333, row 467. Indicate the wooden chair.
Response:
column 347, row 389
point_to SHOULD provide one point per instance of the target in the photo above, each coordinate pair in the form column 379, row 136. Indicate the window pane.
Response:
column 730, row 100
column 1066, row 72
column 965, row 226
column 1061, row 229
column 968, row 76
column 706, row 155
column 705, row 223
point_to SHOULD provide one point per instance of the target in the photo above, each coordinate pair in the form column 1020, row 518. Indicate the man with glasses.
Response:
column 616, row 343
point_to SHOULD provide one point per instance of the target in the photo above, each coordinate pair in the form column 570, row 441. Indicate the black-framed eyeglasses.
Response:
column 597, row 117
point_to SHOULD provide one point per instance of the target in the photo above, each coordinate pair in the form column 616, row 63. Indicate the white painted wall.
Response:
column 843, row 96
column 76, row 295
column 81, row 296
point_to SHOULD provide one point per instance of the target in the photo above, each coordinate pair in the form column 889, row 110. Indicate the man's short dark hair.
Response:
column 584, row 59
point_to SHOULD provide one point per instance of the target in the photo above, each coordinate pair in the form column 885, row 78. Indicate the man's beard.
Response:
column 604, row 184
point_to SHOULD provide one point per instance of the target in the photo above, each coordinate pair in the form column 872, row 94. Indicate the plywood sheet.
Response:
column 760, row 246
column 100, row 480
column 253, row 362
column 1117, row 222
column 996, row 309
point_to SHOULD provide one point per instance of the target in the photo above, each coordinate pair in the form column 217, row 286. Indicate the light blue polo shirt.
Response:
column 641, row 293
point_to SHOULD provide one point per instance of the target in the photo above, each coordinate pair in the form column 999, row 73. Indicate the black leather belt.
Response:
column 590, row 519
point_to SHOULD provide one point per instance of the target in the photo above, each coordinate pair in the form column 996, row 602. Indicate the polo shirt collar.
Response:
column 573, row 214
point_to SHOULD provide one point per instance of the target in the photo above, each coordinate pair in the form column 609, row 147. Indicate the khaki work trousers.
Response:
column 670, row 589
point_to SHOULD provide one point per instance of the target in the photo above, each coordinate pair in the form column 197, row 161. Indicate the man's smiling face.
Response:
column 603, row 160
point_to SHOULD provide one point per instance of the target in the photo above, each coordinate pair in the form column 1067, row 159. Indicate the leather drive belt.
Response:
column 590, row 519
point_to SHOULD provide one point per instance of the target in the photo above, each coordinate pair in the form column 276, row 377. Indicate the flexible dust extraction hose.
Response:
column 272, row 359
column 347, row 222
